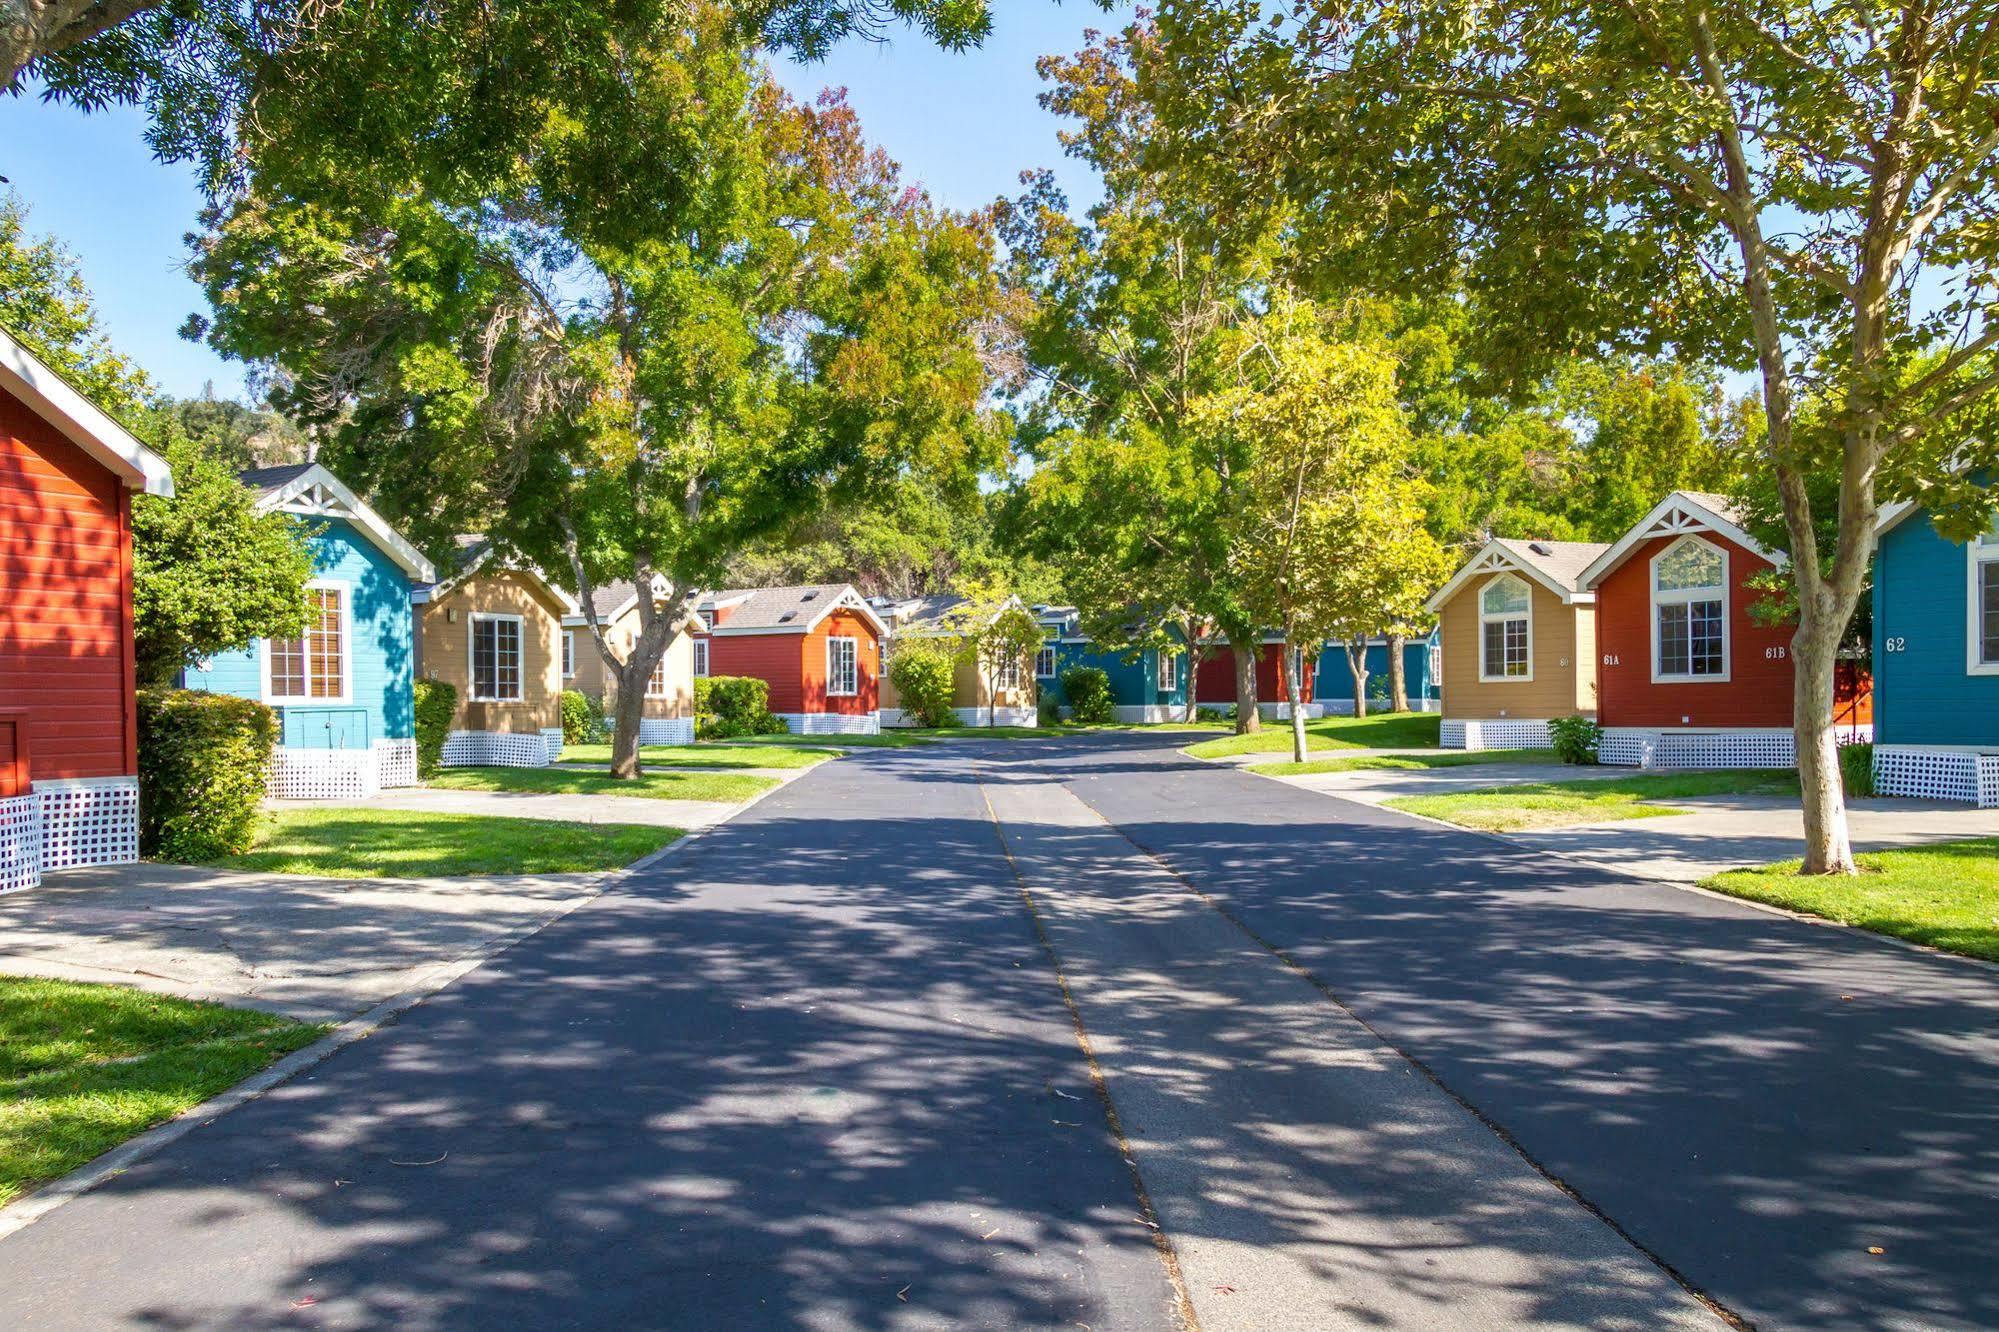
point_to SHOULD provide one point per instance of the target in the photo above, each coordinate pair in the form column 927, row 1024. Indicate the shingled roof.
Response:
column 785, row 609
column 1563, row 561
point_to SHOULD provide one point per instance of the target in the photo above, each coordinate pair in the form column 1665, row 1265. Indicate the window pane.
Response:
column 1704, row 635
column 1516, row 647
column 483, row 673
column 1169, row 670
column 287, row 667
column 1044, row 663
column 508, row 657
column 656, row 685
column 1495, row 649
column 1503, row 595
column 1675, row 650
column 1988, row 617
column 701, row 656
column 1689, row 564
column 323, row 644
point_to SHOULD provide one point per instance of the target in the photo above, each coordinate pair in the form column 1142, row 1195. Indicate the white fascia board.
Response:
column 80, row 420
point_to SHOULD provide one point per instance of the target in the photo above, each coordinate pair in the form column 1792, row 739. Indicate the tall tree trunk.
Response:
column 1356, row 651
column 1247, row 719
column 1813, row 661
column 1194, row 657
column 1294, row 683
column 628, row 707
column 30, row 29
column 1398, row 678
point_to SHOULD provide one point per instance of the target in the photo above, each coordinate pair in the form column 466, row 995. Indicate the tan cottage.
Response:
column 494, row 633
column 1518, row 643
column 669, row 701
column 1004, row 697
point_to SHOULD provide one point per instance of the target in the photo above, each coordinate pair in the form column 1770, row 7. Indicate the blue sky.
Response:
column 965, row 125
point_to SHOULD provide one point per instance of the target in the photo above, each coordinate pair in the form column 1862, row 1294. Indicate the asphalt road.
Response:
column 823, row 1070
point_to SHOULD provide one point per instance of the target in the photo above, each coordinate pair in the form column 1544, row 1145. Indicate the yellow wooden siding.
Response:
column 591, row 677
column 1562, row 649
column 447, row 644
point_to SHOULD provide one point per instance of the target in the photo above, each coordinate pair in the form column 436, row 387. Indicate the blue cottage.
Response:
column 1149, row 686
column 1421, row 675
column 344, row 691
column 1936, row 660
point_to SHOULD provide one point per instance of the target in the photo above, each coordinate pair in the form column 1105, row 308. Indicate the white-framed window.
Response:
column 496, row 658
column 569, row 654
column 1168, row 674
column 843, row 667
column 656, row 682
column 1690, row 611
column 314, row 667
column 1982, row 603
column 701, row 658
column 1006, row 675
column 707, row 618
column 1506, row 630
column 1044, row 662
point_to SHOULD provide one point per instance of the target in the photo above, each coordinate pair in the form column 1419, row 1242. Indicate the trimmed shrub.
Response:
column 1575, row 739
column 1214, row 714
column 1856, row 769
column 436, row 705
column 1088, row 689
column 203, row 763
column 582, row 718
column 1048, row 711
column 924, row 675
column 727, row 706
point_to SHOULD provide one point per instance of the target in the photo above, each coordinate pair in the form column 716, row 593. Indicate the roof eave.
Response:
column 82, row 421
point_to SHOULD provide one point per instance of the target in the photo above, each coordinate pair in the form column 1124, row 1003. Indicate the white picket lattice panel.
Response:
column 1336, row 707
column 833, row 723
column 323, row 774
column 999, row 717
column 495, row 749
column 1451, row 734
column 1500, row 734
column 20, row 842
column 89, row 821
column 666, row 730
column 1668, row 748
column 1146, row 714
column 396, row 762
column 1937, row 774
column 551, row 738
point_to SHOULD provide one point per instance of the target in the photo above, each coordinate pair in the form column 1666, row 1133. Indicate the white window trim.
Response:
column 569, row 654
column 659, row 677
column 700, row 658
column 346, row 696
column 1049, row 674
column 1166, row 674
column 1681, row 596
column 471, row 667
column 855, row 645
column 1500, row 617
column 1979, row 550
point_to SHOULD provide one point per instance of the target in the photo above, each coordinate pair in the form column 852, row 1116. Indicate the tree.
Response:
column 238, row 435
column 45, row 303
column 802, row 325
column 1804, row 191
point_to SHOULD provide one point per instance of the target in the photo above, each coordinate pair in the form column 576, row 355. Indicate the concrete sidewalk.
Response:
column 313, row 948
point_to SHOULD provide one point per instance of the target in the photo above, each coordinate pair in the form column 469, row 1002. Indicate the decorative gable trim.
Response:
column 1676, row 515
column 1493, row 557
column 81, row 421
column 318, row 493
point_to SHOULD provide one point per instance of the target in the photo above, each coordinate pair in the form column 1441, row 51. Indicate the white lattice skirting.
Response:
column 341, row 774
column 496, row 749
column 1282, row 711
column 998, row 717
column 832, row 723
column 551, row 737
column 1343, row 707
column 1148, row 714
column 1640, row 747
column 1504, row 733
column 666, row 730
column 1969, row 775
column 84, row 821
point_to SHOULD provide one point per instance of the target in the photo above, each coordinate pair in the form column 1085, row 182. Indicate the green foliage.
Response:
column 1856, row 769
column 1047, row 712
column 582, row 718
column 234, row 435
column 924, row 672
column 1575, row 739
column 202, row 764
column 436, row 705
column 1088, row 689
column 1214, row 714
column 44, row 303
column 728, row 706
column 210, row 572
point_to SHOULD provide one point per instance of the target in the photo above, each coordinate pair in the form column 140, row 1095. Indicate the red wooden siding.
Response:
column 1757, row 691
column 772, row 658
column 794, row 665
column 1214, row 684
column 867, row 666
column 66, row 613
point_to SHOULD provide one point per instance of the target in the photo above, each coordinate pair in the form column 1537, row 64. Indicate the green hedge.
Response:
column 726, row 706
column 203, row 760
column 1856, row 769
column 1088, row 689
column 436, row 705
column 1575, row 739
column 582, row 718
column 924, row 674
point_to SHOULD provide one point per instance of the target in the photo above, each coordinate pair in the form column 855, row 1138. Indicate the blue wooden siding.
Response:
column 1134, row 682
column 1923, row 695
column 1335, row 679
column 380, row 687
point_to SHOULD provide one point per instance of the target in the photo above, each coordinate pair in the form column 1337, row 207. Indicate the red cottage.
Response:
column 817, row 647
column 1686, row 676
column 69, row 786
column 1214, row 683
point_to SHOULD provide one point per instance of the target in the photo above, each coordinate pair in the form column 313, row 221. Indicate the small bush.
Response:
column 925, row 678
column 728, row 706
column 1856, row 769
column 1088, row 689
column 1213, row 714
column 1048, row 711
column 1576, row 739
column 582, row 718
column 436, row 705
column 203, row 760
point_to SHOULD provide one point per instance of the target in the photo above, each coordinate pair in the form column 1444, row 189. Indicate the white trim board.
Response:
column 318, row 493
column 1677, row 514
column 81, row 421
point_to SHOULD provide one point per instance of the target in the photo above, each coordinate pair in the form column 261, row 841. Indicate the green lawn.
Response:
column 1453, row 758
column 1946, row 896
column 1394, row 730
column 84, row 1067
column 1558, row 804
column 710, row 754
column 388, row 843
column 693, row 785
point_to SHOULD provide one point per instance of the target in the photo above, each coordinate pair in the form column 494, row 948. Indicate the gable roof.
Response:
column 81, row 421
column 311, row 491
column 1555, row 565
column 787, row 610
column 928, row 616
column 613, row 602
column 475, row 552
column 1682, row 511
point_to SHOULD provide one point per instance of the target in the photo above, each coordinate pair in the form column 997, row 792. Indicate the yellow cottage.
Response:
column 669, row 701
